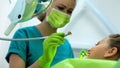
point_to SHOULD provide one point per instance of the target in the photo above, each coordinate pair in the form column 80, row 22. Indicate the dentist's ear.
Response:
column 111, row 52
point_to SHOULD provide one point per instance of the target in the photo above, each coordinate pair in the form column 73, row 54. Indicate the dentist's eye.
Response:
column 69, row 12
column 61, row 8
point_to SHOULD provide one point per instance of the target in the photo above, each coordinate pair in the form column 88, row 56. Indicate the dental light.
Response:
column 23, row 10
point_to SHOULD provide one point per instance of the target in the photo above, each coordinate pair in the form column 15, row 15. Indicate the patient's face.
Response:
column 98, row 51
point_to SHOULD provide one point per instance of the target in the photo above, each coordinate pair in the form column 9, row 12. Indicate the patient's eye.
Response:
column 97, row 43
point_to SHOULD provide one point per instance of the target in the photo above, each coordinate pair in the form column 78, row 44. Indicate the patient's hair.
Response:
column 114, row 41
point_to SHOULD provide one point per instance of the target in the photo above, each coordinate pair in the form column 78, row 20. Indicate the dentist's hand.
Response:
column 50, row 45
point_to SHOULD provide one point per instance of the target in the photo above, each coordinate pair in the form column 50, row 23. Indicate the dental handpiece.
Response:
column 28, row 39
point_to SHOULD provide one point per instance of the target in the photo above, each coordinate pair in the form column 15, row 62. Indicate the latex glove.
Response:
column 50, row 45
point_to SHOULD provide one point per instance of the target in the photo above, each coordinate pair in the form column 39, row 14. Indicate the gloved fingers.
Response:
column 50, row 50
column 54, row 37
column 54, row 47
column 48, row 44
column 59, row 34
column 56, row 40
column 53, row 40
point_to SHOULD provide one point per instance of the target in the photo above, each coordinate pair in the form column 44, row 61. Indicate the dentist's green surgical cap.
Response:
column 85, row 63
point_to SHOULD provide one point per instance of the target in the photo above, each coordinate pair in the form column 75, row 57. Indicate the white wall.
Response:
column 87, row 30
column 90, row 28
column 4, row 45
column 4, row 8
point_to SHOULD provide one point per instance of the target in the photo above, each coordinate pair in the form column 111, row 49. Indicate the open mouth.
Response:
column 88, row 54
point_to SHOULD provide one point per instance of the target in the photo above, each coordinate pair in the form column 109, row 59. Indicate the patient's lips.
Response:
column 88, row 54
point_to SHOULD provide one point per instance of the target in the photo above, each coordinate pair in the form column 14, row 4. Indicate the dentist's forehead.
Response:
column 68, row 3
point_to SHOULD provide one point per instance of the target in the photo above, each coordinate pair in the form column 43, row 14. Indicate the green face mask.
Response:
column 57, row 19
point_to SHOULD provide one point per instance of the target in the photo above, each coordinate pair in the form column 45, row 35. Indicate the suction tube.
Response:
column 28, row 39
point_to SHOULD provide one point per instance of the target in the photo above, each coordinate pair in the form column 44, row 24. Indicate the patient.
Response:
column 106, row 50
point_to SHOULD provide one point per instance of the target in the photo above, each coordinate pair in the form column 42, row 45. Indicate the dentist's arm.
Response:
column 50, row 45
column 16, row 62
